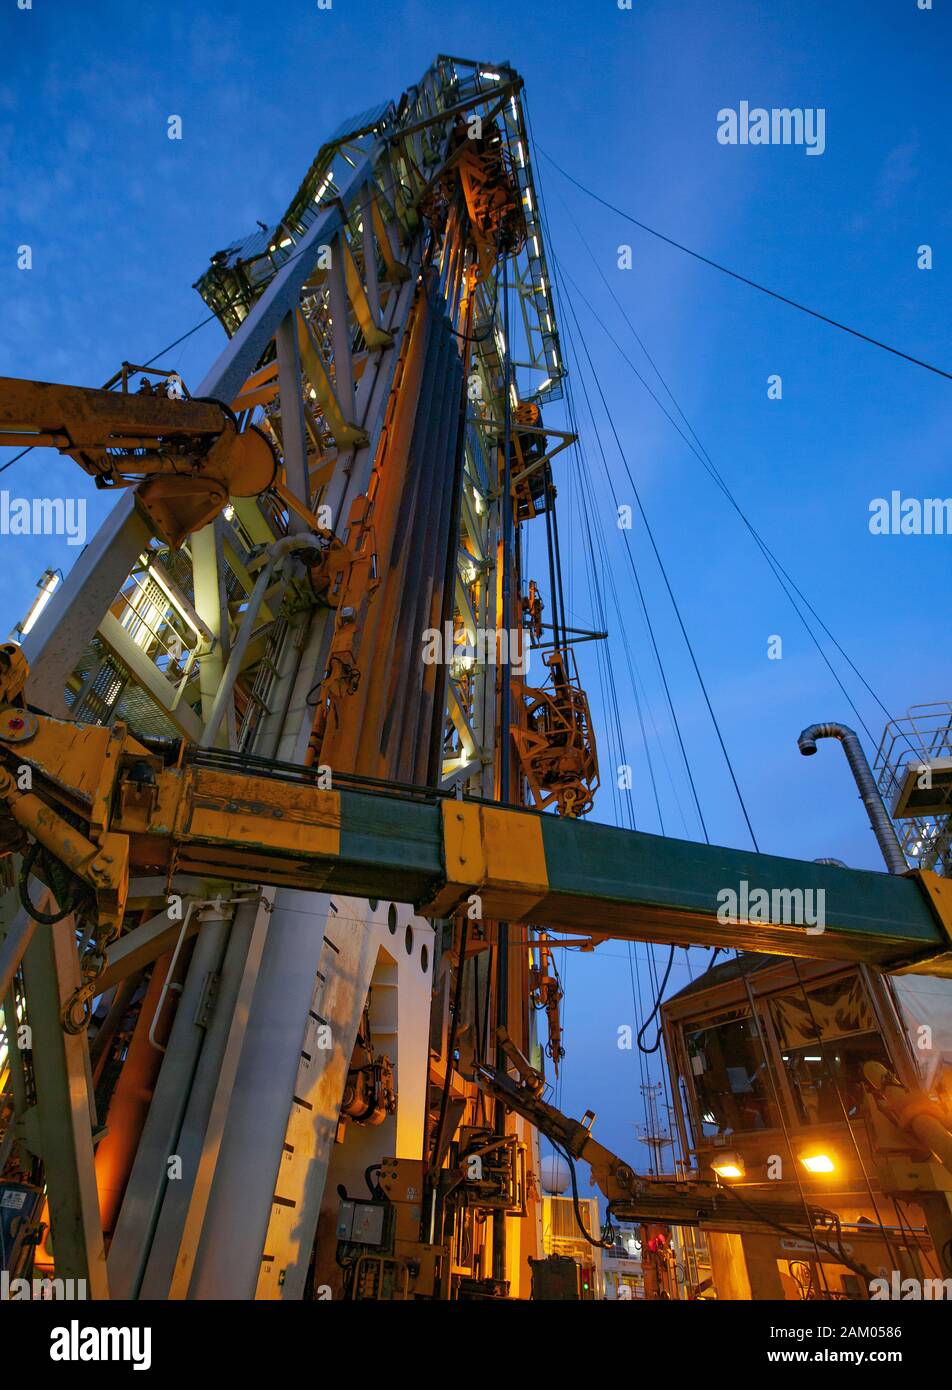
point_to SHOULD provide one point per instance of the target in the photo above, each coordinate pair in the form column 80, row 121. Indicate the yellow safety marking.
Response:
column 514, row 847
column 939, row 892
column 462, row 843
column 493, row 852
column 262, row 814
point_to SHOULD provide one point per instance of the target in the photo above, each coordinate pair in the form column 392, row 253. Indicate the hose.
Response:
column 57, row 880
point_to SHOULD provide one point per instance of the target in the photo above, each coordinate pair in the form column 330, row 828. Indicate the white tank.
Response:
column 555, row 1175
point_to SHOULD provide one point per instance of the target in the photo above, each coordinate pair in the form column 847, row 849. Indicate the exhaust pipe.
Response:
column 880, row 823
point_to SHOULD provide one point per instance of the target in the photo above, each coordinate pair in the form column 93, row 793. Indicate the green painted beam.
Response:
column 651, row 888
column 626, row 884
column 374, row 840
column 395, row 841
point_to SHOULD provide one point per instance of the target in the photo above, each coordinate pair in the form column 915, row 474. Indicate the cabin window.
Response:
column 827, row 1080
column 728, row 1072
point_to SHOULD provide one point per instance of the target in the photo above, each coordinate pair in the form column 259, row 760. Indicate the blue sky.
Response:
column 121, row 221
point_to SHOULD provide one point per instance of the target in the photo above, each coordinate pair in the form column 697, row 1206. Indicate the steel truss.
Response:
column 222, row 643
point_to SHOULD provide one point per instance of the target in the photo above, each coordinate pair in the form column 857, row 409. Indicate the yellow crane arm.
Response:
column 634, row 1197
column 185, row 457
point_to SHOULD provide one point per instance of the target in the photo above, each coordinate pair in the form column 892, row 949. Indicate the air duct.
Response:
column 879, row 820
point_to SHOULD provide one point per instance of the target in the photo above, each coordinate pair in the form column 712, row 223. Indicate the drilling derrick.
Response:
column 298, row 777
column 290, row 534
column 287, row 817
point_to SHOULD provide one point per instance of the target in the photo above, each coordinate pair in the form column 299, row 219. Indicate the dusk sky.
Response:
column 121, row 221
